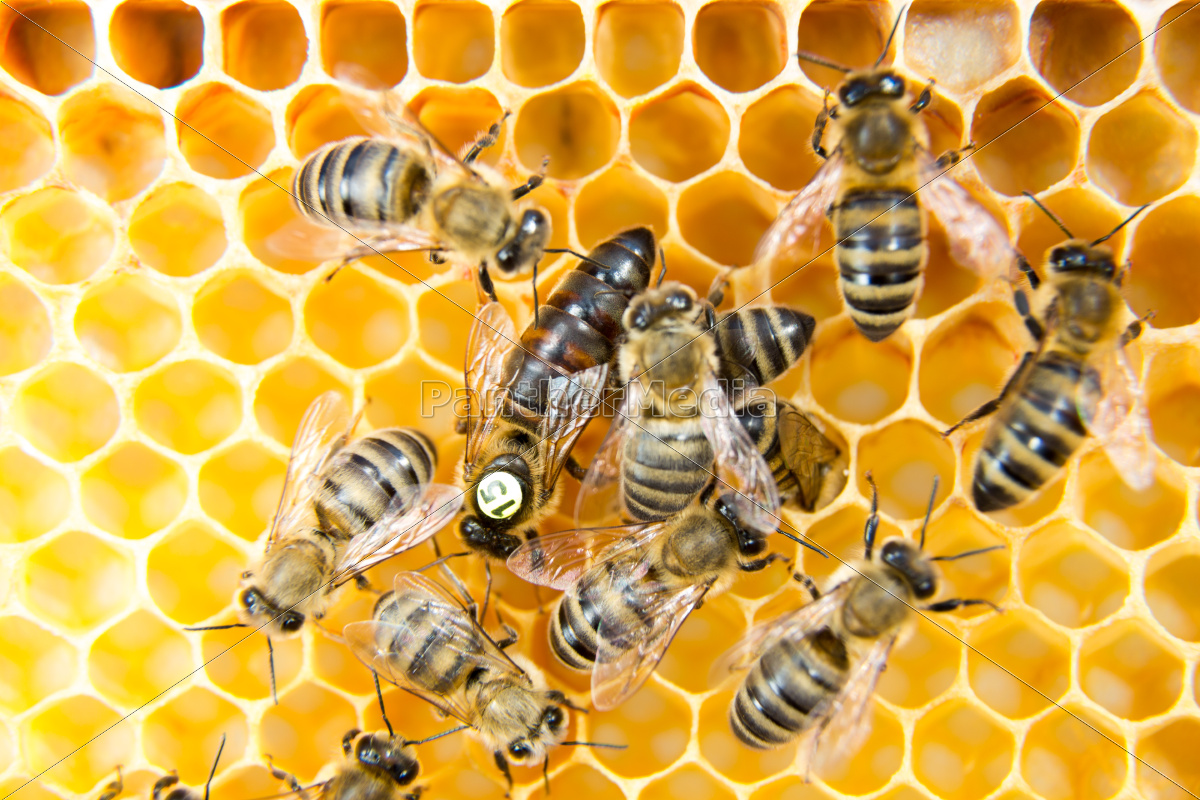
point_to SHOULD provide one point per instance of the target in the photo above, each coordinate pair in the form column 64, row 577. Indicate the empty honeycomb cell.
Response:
column 178, row 230
column 66, row 726
column 222, row 132
column 127, row 322
column 77, row 582
column 332, row 662
column 27, row 150
column 680, row 133
column 962, row 46
column 1086, row 214
column 1159, row 279
column 583, row 781
column 276, row 234
column 137, row 659
column 239, row 488
column 133, row 492
column 873, row 764
column 1074, row 753
column 1128, row 518
column 189, row 572
column 655, row 722
column 905, row 457
column 453, row 41
column 48, row 47
column 1172, row 592
column 1167, row 768
column 840, row 535
column 321, row 715
column 774, row 134
column 188, row 406
column 619, row 198
column 1081, row 49
column 412, row 390
column 857, row 380
column 159, row 42
column 923, row 666
column 184, row 733
column 264, row 43
column 1176, row 57
column 692, row 654
column 236, row 661
column 541, row 41
column 25, row 336
column 576, row 127
column 1026, row 142
column 442, row 320
column 724, row 215
column 66, row 411
column 33, row 497
column 1130, row 671
column 1071, row 577
column 322, row 114
column 951, row 386
column 690, row 781
column 960, row 752
column 982, row 576
column 34, row 664
column 245, row 781
column 1141, row 150
column 457, row 115
column 740, row 46
column 638, row 45
column 240, row 319
column 356, row 319
column 1017, row 664
column 849, row 34
column 56, row 235
column 793, row 788
column 364, row 38
column 113, row 141
column 284, row 395
column 946, row 282
column 813, row 288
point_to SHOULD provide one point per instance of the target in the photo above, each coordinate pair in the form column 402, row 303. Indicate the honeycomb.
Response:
column 156, row 354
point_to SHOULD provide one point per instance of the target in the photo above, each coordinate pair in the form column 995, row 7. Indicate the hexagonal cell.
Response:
column 1172, row 591
column 618, row 199
column 1074, row 753
column 25, row 336
column 237, row 661
column 284, row 395
column 276, row 234
column 77, row 581
column 35, row 664
column 850, row 34
column 245, row 781
column 768, row 133
column 856, row 380
column 222, row 132
column 577, row 127
column 981, row 576
column 1141, row 150
column 657, row 719
column 365, row 38
column 1158, row 280
column 740, row 46
column 33, row 497
column 541, row 41
column 794, row 788
column 189, row 572
column 29, row 788
column 322, row 715
column 872, row 766
column 811, row 286
column 960, row 753
column 442, row 324
column 65, row 727
column 953, row 385
column 1086, row 214
column 925, row 665
column 456, row 115
column 159, row 42
column 453, row 41
column 56, row 235
column 1175, row 58
column 1130, row 670
column 1069, row 576
column 1173, row 389
column 240, row 319
column 1129, row 519
column 66, row 411
column 1027, row 142
column 240, row 487
column 905, row 457
column 724, row 215
column 112, row 140
column 135, row 660
column 127, row 323
column 48, row 47
column 946, row 282
column 322, row 114
column 580, row 780
column 265, row 46
column 1166, row 765
column 680, row 133
column 689, row 781
column 692, row 654
column 178, row 230
column 1080, row 49
column 840, row 535
column 356, row 319
column 638, row 44
column 184, row 734
column 188, row 406
column 133, row 492
column 27, row 151
column 1010, row 654
column 962, row 46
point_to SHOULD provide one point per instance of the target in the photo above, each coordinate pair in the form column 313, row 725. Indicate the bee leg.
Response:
column 762, row 563
column 1134, row 330
column 872, row 521
column 484, row 142
column 951, row 605
column 546, row 774
column 575, row 469
column 826, row 113
column 348, row 739
column 485, row 283
column 991, row 405
column 808, row 583
column 113, row 787
column 1031, row 322
column 532, row 182
column 415, row 794
column 464, row 595
column 510, row 633
column 163, row 784
column 436, row 257
column 924, row 98
column 363, row 583
column 502, row 764
column 952, row 157
column 716, row 292
column 1027, row 269
column 487, row 589
column 286, row 777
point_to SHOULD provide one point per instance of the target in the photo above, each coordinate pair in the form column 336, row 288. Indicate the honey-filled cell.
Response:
column 157, row 42
column 364, row 42
column 49, row 47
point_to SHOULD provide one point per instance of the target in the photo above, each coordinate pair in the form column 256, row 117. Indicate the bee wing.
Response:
column 559, row 560
column 805, row 451
column 492, row 335
column 572, row 402
column 977, row 240
column 600, row 496
column 801, row 218
column 1113, row 407
column 411, row 518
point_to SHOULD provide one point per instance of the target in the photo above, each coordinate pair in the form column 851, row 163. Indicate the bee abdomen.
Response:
column 361, row 183
column 664, row 469
column 434, row 661
column 572, row 635
column 765, row 342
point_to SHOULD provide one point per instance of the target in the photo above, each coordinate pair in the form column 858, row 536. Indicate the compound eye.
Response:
column 555, row 718
column 367, row 753
column 679, row 300
column 290, row 623
column 403, row 774
column 891, row 85
column 249, row 599
column 519, row 750
column 499, row 495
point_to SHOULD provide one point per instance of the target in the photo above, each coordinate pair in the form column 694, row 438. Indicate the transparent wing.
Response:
column 301, row 239
column 411, row 518
column 977, row 240
column 801, row 218
column 559, row 560
column 600, row 495
column 805, row 450
column 1113, row 407
column 492, row 335
column 572, row 402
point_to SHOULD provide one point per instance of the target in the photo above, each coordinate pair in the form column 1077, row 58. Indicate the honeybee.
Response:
column 167, row 787
column 812, row 672
column 756, row 345
column 1078, row 381
column 530, row 402
column 874, row 183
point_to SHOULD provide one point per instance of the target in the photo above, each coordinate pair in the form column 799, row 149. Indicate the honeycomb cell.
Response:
column 576, row 127
column 27, row 151
column 25, row 336
column 127, row 323
column 240, row 319
column 443, row 320
column 49, row 47
column 905, row 457
column 189, row 572
column 264, row 42
column 691, row 656
column 813, row 287
column 740, row 46
column 794, row 788
column 1069, row 576
column 66, row 411
column 1172, row 592
column 982, row 576
column 65, row 727
column 541, row 42
column 1141, row 150
column 925, row 665
column 237, row 661
column 239, row 488
column 29, row 788
column 850, row 34
column 619, row 198
column 113, row 141
column 724, row 215
column 1085, row 213
column 1081, row 49
column 284, row 395
column 356, row 319
column 321, row 715
column 873, row 765
column 412, row 390
column 184, row 734
column 1159, row 279
column 638, row 45
column 1017, row 664
column 367, row 39
column 457, row 115
column 1026, row 142
column 1075, row 753
column 1128, row 518
column 1166, row 763
column 961, row 753
column 951, row 386
column 840, row 535
column 137, row 659
column 222, row 132
column 34, row 664
column 246, row 781
column 946, row 282
column 133, row 492
column 77, row 582
column 680, row 133
column 1176, row 59
column 178, row 230
column 322, row 114
column 962, row 46
column 453, row 41
column 580, row 780
column 158, row 42
column 33, row 497
column 690, row 781
column 276, row 234
column 1130, row 671
column 188, row 406
column 655, row 719
column 56, row 235
column 772, row 137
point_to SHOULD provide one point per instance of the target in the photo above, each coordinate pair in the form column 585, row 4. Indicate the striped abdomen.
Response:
column 361, row 184
column 788, row 681
column 666, row 463
column 424, row 648
column 365, row 475
column 880, row 254
column 759, row 344
column 760, row 420
column 606, row 594
column 1033, row 436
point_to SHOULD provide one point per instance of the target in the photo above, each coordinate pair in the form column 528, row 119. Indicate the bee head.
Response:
column 906, row 558
column 548, row 731
column 1075, row 257
column 861, row 86
column 526, row 245
column 389, row 753
column 670, row 299
column 254, row 610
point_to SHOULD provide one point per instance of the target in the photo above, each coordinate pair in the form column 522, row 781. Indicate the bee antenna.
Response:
column 824, row 62
column 571, row 252
column 929, row 510
column 892, row 35
column 969, row 553
column 1128, row 220
column 271, row 664
column 213, row 772
column 382, row 710
column 595, row 744
column 217, row 627
column 438, row 735
column 803, row 543
column 662, row 259
column 1059, row 222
